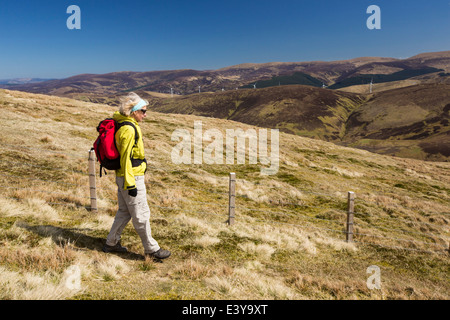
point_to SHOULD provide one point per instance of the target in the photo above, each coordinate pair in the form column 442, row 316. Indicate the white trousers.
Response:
column 135, row 209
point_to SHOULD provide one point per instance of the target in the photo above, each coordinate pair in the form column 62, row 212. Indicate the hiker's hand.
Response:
column 132, row 192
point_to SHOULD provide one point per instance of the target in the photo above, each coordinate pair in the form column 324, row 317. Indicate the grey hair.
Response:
column 128, row 102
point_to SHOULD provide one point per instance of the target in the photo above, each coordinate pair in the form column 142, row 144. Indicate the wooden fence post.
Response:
column 350, row 214
column 92, row 187
column 232, row 199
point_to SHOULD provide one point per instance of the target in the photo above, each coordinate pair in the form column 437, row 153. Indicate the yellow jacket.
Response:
column 125, row 145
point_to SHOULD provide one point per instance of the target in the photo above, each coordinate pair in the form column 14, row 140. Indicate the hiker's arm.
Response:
column 125, row 147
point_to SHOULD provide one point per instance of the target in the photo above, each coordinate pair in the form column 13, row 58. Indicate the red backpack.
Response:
column 105, row 145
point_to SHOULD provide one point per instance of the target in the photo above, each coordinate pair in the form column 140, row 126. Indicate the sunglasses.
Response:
column 143, row 110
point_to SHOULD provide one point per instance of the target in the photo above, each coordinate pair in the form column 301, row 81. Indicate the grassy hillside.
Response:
column 296, row 109
column 382, row 78
column 379, row 87
column 295, row 78
column 288, row 241
column 407, row 122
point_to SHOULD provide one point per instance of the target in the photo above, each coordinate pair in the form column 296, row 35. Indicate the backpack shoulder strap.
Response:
column 128, row 123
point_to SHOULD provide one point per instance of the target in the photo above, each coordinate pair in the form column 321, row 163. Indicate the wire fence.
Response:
column 78, row 188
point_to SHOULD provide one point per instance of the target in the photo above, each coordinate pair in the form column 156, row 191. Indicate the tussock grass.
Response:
column 29, row 286
column 288, row 241
column 24, row 259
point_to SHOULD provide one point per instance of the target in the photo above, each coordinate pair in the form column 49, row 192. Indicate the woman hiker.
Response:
column 132, row 195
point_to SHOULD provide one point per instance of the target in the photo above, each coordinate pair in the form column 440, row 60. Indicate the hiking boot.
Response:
column 117, row 248
column 160, row 254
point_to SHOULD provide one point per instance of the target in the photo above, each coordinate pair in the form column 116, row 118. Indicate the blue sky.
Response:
column 138, row 35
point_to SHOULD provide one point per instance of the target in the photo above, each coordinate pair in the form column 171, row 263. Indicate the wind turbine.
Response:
column 199, row 89
column 171, row 92
column 254, row 85
column 371, row 85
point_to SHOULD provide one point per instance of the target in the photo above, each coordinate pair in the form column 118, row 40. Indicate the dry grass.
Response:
column 288, row 240
column 29, row 286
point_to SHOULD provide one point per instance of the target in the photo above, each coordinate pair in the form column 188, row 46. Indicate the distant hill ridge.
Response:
column 103, row 87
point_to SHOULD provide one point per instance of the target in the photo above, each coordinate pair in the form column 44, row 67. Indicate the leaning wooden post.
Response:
column 92, row 187
column 232, row 199
column 350, row 214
